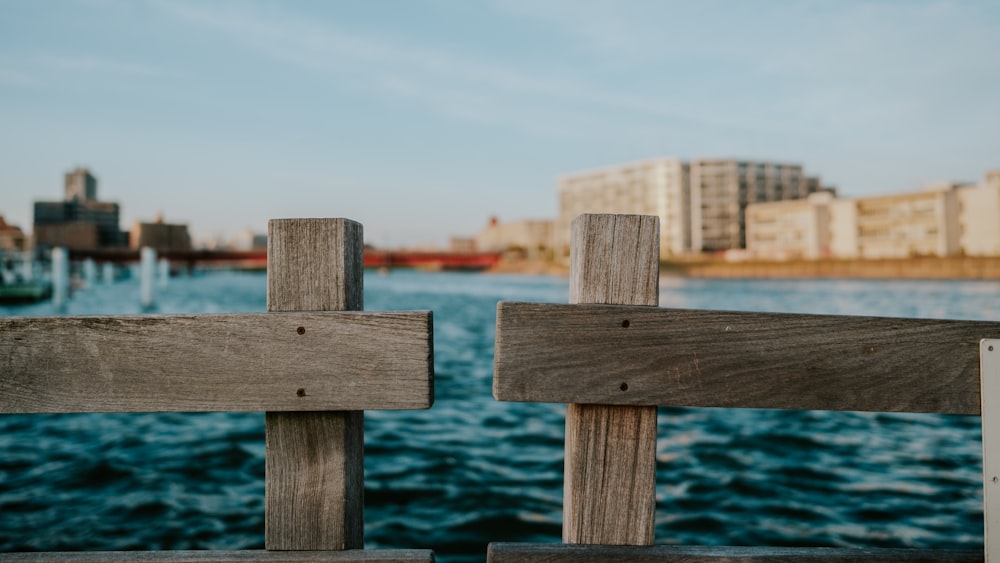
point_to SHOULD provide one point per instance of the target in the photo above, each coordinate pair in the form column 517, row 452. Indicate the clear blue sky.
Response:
column 421, row 118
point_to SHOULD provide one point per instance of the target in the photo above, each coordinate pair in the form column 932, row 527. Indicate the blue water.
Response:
column 473, row 470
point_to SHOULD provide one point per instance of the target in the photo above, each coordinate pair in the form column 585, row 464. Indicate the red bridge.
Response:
column 257, row 259
column 430, row 260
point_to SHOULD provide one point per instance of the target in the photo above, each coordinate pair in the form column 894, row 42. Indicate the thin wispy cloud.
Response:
column 15, row 77
column 445, row 81
column 102, row 65
column 47, row 69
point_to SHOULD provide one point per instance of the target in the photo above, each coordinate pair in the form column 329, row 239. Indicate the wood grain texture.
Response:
column 560, row 553
column 315, row 265
column 610, row 479
column 188, row 556
column 989, row 355
column 585, row 353
column 610, row 467
column 314, row 483
column 615, row 259
column 317, row 474
column 250, row 362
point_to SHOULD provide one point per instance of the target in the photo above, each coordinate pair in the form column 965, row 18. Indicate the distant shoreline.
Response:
column 916, row 268
column 926, row 268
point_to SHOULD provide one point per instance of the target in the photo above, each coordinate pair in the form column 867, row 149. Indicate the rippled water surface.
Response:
column 473, row 470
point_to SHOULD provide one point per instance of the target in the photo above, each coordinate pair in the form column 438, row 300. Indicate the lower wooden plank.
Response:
column 366, row 556
column 558, row 553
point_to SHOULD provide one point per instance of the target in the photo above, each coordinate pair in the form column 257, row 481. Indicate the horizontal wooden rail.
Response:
column 353, row 555
column 565, row 553
column 627, row 355
column 250, row 362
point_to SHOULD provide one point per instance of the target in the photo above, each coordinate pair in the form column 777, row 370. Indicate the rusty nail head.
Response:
column 301, row 330
column 624, row 387
column 301, row 392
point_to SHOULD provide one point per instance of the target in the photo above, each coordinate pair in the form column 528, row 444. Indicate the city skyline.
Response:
column 422, row 120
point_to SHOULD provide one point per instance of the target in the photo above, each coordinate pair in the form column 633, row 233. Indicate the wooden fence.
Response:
column 314, row 362
column 613, row 357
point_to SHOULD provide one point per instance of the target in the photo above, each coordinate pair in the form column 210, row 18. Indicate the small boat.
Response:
column 24, row 292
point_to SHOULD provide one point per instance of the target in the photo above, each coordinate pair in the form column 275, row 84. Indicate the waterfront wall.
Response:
column 954, row 267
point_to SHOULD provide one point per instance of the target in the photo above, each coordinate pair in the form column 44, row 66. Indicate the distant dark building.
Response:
column 81, row 185
column 79, row 221
column 160, row 236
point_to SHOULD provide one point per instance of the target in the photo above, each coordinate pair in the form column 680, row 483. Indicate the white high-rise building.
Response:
column 701, row 204
column 657, row 186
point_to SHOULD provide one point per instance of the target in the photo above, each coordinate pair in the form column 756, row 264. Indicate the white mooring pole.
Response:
column 164, row 272
column 146, row 269
column 89, row 272
column 60, row 277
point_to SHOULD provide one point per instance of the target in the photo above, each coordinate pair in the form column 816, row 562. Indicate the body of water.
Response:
column 472, row 470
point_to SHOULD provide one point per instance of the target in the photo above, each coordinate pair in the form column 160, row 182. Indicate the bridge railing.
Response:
column 614, row 357
column 314, row 362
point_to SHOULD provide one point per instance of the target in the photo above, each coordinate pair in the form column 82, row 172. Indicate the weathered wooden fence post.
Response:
column 314, row 484
column 609, row 489
column 989, row 369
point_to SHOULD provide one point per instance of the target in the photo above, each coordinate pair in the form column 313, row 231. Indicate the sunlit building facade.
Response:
column 701, row 204
column 946, row 219
column 979, row 217
column 790, row 229
column 921, row 223
column 528, row 236
column 658, row 186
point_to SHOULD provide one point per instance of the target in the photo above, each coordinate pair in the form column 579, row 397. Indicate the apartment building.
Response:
column 721, row 190
column 979, row 217
column 922, row 223
column 701, row 204
column 944, row 219
column 527, row 235
column 657, row 186
column 791, row 229
column 843, row 228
